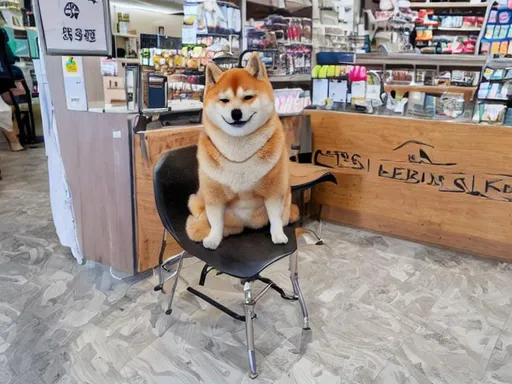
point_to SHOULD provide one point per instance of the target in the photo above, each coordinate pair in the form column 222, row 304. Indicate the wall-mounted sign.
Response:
column 75, row 27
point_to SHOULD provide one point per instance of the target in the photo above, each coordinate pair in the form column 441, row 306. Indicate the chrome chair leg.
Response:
column 294, row 277
column 318, row 240
column 176, row 274
column 249, row 328
column 161, row 261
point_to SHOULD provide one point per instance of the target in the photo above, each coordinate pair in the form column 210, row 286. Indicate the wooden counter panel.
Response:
column 149, row 146
column 437, row 182
column 149, row 234
column 415, row 231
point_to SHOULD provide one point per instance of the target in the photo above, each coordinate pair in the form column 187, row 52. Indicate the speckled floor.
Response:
column 382, row 311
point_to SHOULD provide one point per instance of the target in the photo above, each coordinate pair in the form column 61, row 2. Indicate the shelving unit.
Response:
column 125, row 60
column 226, row 35
column 291, row 6
column 290, row 79
column 456, row 8
column 468, row 92
column 470, row 29
column 416, row 59
column 440, row 5
column 121, row 38
column 125, row 35
column 267, row 7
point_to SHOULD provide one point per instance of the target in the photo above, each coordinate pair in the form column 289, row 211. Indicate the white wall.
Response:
column 148, row 22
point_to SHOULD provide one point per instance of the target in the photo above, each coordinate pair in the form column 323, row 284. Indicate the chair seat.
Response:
column 305, row 176
column 244, row 255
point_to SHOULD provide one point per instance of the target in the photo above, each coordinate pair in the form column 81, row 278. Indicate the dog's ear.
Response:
column 213, row 74
column 255, row 67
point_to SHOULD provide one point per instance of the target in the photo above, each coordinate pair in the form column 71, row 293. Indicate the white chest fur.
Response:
column 241, row 177
column 241, row 168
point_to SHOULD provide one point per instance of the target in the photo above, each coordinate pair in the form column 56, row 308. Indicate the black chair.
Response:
column 243, row 256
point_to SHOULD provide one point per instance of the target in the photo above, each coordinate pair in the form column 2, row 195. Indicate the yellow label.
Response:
column 71, row 66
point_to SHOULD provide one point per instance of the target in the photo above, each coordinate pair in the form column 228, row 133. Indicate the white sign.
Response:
column 74, row 83
column 76, row 27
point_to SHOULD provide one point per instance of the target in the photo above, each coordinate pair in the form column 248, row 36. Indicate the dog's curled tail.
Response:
column 294, row 213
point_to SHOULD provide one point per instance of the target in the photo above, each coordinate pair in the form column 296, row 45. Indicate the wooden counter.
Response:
column 149, row 146
column 443, row 183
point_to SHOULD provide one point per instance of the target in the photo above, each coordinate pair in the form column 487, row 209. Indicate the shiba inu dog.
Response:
column 243, row 159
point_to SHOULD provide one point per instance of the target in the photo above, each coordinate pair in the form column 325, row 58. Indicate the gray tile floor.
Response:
column 383, row 311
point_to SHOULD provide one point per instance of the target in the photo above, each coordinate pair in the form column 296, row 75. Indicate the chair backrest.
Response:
column 175, row 179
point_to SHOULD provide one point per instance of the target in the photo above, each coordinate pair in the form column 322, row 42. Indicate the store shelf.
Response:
column 470, row 29
column 127, row 60
column 125, row 35
column 292, row 6
column 439, row 89
column 455, row 4
column 290, row 79
column 213, row 34
column 419, row 59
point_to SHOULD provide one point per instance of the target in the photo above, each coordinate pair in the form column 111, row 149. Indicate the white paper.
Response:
column 373, row 92
column 359, row 90
column 108, row 67
column 74, row 83
column 320, row 87
column 189, row 35
column 72, row 27
column 338, row 90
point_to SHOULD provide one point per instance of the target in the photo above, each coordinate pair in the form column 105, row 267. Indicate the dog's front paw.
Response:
column 278, row 236
column 212, row 241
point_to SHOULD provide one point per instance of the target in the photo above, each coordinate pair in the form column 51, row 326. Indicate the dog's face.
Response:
column 239, row 101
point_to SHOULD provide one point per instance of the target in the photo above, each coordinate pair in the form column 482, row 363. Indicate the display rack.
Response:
column 495, row 93
column 260, row 9
column 416, row 59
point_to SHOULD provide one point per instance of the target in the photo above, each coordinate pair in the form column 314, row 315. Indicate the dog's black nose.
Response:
column 236, row 114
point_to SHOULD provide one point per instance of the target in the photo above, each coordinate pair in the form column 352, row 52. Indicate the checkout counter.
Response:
column 443, row 183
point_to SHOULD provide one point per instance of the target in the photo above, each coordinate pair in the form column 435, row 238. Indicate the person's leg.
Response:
column 11, row 136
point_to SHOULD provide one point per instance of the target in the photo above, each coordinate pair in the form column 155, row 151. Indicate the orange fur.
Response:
column 240, row 172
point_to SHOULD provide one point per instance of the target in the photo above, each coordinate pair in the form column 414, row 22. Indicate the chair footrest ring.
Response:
column 216, row 304
column 278, row 289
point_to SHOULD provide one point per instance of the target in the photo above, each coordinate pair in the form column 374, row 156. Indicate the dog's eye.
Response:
column 224, row 101
column 248, row 97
